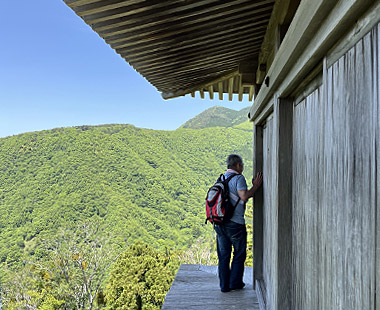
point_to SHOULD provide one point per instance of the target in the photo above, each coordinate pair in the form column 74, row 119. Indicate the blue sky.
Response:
column 56, row 72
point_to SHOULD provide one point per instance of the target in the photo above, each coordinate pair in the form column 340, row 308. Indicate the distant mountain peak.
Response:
column 217, row 116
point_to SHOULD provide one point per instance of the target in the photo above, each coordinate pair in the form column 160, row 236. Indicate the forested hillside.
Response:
column 217, row 117
column 142, row 184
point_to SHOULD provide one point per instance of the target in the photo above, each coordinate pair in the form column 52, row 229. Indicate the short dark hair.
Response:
column 233, row 160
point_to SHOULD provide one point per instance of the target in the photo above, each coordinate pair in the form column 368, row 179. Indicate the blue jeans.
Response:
column 231, row 234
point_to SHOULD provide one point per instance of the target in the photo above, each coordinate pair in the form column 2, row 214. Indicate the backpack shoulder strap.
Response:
column 227, row 180
column 231, row 176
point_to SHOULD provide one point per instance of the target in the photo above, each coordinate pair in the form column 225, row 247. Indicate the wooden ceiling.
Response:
column 184, row 46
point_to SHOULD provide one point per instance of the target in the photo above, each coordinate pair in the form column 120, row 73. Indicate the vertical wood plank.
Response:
column 258, row 207
column 306, row 214
column 324, row 218
column 270, row 213
column 283, row 115
column 277, row 206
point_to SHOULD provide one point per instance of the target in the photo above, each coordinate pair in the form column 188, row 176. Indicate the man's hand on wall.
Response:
column 257, row 181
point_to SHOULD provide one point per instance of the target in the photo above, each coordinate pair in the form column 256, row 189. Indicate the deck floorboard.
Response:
column 196, row 289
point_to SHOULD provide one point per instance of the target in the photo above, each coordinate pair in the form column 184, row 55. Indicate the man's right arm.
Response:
column 256, row 183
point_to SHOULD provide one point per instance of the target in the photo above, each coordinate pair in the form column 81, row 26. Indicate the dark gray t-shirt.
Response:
column 237, row 183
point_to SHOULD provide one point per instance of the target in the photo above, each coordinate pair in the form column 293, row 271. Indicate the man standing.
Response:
column 233, row 233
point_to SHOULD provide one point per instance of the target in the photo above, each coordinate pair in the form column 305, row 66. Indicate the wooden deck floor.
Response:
column 196, row 289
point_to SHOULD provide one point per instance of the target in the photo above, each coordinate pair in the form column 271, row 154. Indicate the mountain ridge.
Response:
column 145, row 184
column 217, row 116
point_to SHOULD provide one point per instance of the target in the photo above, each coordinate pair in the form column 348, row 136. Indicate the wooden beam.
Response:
column 151, row 53
column 283, row 12
column 264, row 113
column 186, row 22
column 308, row 18
column 195, row 67
column 220, row 90
column 315, row 28
column 183, row 92
column 243, row 49
column 193, row 94
column 141, row 46
column 251, row 88
column 241, row 89
column 75, row 3
column 347, row 12
column 123, row 12
column 192, row 77
column 362, row 27
column 230, row 88
column 202, row 93
column 101, row 6
column 211, row 91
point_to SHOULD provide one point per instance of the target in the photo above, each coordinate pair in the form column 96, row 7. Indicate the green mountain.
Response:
column 218, row 117
column 143, row 184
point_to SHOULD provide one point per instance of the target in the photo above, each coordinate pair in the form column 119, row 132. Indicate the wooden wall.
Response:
column 307, row 197
column 277, row 207
column 269, row 216
column 335, row 190
column 335, row 185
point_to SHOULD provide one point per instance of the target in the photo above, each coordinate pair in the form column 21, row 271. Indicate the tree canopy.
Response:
column 146, row 185
column 143, row 188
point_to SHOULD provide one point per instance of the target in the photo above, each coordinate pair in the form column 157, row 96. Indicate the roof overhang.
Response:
column 185, row 46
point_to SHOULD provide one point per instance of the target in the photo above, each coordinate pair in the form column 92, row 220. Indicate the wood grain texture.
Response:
column 277, row 215
column 335, row 189
column 307, row 224
column 336, row 156
column 258, row 199
column 283, row 118
column 270, row 217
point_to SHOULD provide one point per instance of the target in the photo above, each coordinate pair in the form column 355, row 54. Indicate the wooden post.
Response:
column 258, row 208
column 283, row 118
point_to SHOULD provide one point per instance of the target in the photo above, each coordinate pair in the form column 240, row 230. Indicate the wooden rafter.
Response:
column 182, row 47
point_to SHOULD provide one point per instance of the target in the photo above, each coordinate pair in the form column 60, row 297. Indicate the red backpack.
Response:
column 218, row 205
